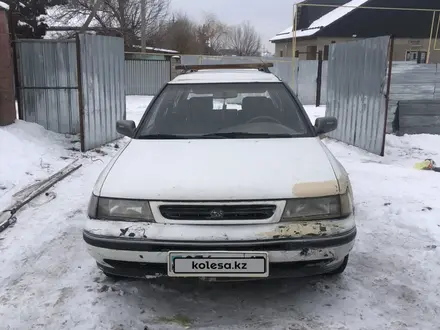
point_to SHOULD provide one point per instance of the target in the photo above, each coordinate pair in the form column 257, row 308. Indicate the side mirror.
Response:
column 325, row 125
column 126, row 127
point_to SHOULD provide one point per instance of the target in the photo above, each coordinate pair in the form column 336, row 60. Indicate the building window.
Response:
column 281, row 53
column 416, row 56
column 311, row 52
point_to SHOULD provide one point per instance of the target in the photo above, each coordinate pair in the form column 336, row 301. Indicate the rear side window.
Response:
column 251, row 109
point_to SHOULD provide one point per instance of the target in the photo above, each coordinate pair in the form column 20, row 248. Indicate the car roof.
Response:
column 208, row 76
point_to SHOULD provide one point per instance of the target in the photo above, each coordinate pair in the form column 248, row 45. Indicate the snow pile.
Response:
column 314, row 112
column 4, row 5
column 428, row 143
column 136, row 106
column 28, row 153
column 411, row 149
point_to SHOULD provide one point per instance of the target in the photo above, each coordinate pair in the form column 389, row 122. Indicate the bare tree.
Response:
column 181, row 34
column 244, row 40
column 123, row 16
column 92, row 14
column 212, row 35
column 187, row 37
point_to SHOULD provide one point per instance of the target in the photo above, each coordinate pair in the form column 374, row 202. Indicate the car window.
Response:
column 237, row 110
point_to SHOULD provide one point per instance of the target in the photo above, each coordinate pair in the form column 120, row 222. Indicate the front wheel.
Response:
column 340, row 269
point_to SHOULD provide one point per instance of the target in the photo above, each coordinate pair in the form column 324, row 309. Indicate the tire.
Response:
column 340, row 269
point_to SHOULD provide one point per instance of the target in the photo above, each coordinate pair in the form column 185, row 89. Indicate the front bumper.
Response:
column 288, row 257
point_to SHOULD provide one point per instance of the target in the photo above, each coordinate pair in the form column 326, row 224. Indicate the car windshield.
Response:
column 234, row 110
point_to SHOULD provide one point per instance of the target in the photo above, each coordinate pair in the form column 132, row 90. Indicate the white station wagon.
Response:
column 224, row 178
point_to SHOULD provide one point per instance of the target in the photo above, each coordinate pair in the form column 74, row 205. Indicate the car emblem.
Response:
column 217, row 214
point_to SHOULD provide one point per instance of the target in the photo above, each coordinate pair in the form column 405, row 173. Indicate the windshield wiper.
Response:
column 227, row 135
column 178, row 137
column 239, row 135
column 162, row 136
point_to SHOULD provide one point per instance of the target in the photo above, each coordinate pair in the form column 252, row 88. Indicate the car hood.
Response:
column 220, row 169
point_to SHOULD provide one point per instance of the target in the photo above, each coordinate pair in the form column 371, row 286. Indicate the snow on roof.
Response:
column 225, row 76
column 4, row 5
column 321, row 22
column 158, row 49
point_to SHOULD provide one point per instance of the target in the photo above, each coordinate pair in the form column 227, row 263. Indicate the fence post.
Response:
column 7, row 97
column 15, row 56
column 388, row 89
column 319, row 80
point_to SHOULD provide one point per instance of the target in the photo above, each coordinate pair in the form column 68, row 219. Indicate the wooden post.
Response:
column 319, row 80
column 7, row 97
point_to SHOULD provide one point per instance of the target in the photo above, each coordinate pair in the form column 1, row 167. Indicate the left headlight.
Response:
column 120, row 209
column 331, row 207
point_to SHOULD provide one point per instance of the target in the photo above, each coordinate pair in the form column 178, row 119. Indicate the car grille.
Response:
column 217, row 212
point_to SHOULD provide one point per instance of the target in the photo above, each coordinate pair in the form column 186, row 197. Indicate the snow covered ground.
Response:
column 48, row 281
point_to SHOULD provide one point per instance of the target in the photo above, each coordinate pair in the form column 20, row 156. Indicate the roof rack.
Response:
column 193, row 68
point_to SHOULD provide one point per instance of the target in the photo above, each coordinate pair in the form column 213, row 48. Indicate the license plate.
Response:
column 218, row 264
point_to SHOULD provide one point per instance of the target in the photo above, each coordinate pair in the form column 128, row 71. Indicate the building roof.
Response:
column 158, row 50
column 225, row 76
column 321, row 22
column 4, row 5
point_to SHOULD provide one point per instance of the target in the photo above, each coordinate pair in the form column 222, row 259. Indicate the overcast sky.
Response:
column 268, row 17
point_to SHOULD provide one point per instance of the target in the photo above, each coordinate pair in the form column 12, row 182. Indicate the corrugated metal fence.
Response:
column 102, row 82
column 356, row 77
column 146, row 77
column 305, row 81
column 411, row 81
column 417, row 117
column 48, row 84
column 52, row 94
column 305, row 72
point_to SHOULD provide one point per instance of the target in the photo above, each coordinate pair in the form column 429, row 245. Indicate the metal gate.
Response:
column 73, row 86
column 357, row 89
column 102, row 88
column 48, row 84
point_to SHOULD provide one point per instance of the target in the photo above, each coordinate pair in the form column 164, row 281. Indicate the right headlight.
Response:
column 331, row 207
column 119, row 209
